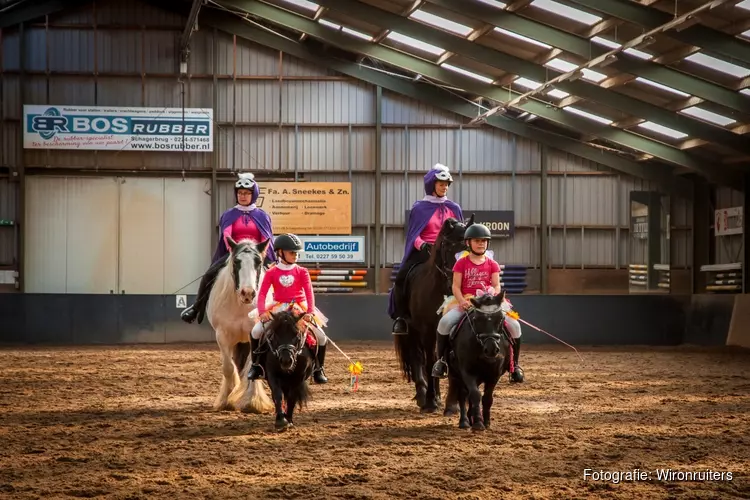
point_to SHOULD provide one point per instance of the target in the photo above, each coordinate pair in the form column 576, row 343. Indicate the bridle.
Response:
column 495, row 337
column 294, row 350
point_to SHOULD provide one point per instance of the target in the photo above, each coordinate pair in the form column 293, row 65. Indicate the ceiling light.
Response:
column 440, row 22
column 586, row 114
column 413, row 42
column 523, row 38
column 565, row 11
column 466, row 72
column 708, row 116
column 304, row 4
column 718, row 65
column 661, row 129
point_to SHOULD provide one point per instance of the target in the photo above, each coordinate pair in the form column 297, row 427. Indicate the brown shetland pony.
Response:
column 427, row 285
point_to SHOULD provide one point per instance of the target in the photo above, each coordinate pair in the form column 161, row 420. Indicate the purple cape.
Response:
column 421, row 213
column 262, row 221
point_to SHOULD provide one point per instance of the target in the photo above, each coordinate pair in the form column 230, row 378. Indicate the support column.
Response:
column 378, row 180
column 745, row 236
column 700, row 232
column 215, row 156
column 20, row 169
column 543, row 229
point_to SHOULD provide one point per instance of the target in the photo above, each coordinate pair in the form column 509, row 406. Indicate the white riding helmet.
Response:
column 246, row 180
column 443, row 173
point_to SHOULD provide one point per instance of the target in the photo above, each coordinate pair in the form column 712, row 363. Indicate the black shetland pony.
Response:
column 288, row 365
column 427, row 285
column 480, row 354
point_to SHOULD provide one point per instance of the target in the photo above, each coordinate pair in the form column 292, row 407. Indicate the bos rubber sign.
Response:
column 112, row 128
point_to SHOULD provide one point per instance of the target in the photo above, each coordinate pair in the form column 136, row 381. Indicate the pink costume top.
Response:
column 430, row 232
column 475, row 277
column 290, row 283
column 243, row 228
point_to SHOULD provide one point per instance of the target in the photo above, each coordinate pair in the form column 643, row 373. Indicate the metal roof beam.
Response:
column 718, row 42
column 419, row 66
column 584, row 47
column 518, row 66
column 444, row 100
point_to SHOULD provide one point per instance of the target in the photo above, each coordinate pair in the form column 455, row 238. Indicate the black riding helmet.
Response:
column 289, row 242
column 477, row 232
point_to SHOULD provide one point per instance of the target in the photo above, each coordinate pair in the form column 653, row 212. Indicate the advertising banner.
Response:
column 117, row 128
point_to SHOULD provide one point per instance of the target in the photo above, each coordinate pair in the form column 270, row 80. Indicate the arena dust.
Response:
column 136, row 422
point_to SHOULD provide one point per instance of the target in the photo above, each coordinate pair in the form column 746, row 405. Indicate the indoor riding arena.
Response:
column 154, row 154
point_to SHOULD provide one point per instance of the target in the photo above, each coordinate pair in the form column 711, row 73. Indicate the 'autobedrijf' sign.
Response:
column 501, row 223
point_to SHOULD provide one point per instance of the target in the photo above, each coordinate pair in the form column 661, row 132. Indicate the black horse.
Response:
column 480, row 354
column 427, row 285
column 288, row 366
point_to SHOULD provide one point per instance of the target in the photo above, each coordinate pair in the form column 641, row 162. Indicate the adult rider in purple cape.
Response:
column 425, row 221
column 242, row 221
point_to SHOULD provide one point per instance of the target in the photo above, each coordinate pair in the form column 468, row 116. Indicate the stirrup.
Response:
column 440, row 369
column 261, row 375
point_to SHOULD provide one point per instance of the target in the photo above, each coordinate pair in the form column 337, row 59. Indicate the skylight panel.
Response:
column 614, row 45
column 523, row 38
column 494, row 3
column 304, row 4
column 661, row 129
column 586, row 114
column 718, row 65
column 356, row 33
column 329, row 24
column 744, row 5
column 745, row 91
column 662, row 87
column 566, row 66
column 708, row 116
column 441, row 22
column 466, row 72
column 565, row 11
column 413, row 42
column 531, row 85
column 557, row 94
column 745, row 34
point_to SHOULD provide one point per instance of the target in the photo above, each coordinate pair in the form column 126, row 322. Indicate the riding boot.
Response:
column 198, row 309
column 256, row 369
column 399, row 326
column 517, row 375
column 319, row 376
column 440, row 368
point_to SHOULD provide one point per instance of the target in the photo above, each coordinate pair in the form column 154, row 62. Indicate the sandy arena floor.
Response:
column 135, row 422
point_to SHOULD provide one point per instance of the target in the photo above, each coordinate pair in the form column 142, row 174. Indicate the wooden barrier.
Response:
column 337, row 280
column 512, row 277
column 723, row 277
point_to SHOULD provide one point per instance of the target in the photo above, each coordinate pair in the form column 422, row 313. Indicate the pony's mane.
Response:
column 282, row 320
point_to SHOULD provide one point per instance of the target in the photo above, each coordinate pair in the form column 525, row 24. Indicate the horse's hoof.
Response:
column 464, row 424
column 421, row 397
column 450, row 410
column 428, row 409
column 478, row 426
column 281, row 424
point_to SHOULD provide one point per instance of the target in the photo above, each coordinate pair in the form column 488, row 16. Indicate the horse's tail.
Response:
column 406, row 351
column 302, row 393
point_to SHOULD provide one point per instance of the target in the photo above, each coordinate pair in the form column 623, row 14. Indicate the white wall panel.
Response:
column 187, row 233
column 142, row 236
column 71, row 235
column 92, row 235
column 46, row 226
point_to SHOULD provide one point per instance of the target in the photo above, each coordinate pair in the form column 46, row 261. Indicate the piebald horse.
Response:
column 233, row 296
